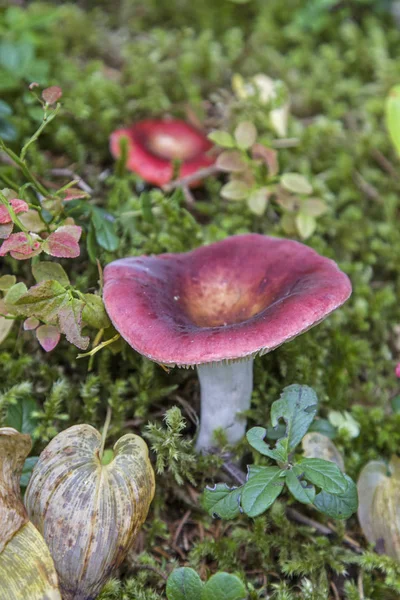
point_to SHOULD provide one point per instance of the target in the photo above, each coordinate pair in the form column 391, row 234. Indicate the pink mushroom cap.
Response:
column 154, row 144
column 230, row 300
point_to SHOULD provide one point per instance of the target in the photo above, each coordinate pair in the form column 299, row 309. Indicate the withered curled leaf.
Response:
column 26, row 567
column 89, row 513
column 379, row 508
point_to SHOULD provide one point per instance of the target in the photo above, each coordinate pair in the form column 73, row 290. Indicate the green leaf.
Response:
column 94, row 313
column 255, row 437
column 260, row 491
column 43, row 271
column 7, row 281
column 299, row 488
column 222, row 501
column 43, row 301
column 392, row 114
column 245, row 135
column 14, row 293
column 29, row 465
column 222, row 138
column 19, row 415
column 338, row 506
column 184, row 584
column 235, row 190
column 223, row 586
column 297, row 406
column 324, row 474
column 296, row 183
column 104, row 229
column 70, row 323
column 5, row 109
column 5, row 328
column 305, row 225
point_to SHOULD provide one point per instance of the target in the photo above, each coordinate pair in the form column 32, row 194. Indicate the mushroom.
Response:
column 154, row 145
column 219, row 306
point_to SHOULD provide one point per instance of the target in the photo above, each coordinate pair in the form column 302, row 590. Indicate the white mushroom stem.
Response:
column 225, row 392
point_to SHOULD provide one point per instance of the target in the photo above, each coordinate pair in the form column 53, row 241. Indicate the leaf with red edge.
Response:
column 31, row 323
column 70, row 322
column 74, row 194
column 63, row 243
column 6, row 231
column 18, row 207
column 268, row 156
column 48, row 337
column 52, row 94
column 20, row 246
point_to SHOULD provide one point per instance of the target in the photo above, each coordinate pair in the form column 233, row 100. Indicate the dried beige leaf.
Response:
column 26, row 567
column 89, row 513
column 379, row 508
column 316, row 445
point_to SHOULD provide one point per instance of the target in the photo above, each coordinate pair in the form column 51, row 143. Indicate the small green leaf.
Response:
column 14, row 293
column 245, row 135
column 305, row 225
column 184, row 584
column 231, row 161
column 223, row 586
column 258, row 200
column 7, row 281
column 297, row 406
column 260, row 491
column 338, row 506
column 222, row 138
column 299, row 488
column 324, row 474
column 29, row 465
column 324, row 427
column 43, row 271
column 70, row 323
column 235, row 190
column 255, row 436
column 94, row 313
column 392, row 113
column 43, row 301
column 222, row 501
column 296, row 183
column 104, row 229
column 20, row 415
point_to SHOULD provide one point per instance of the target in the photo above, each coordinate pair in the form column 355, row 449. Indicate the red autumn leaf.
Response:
column 20, row 246
column 268, row 156
column 74, row 230
column 18, row 206
column 63, row 243
column 48, row 337
column 31, row 323
column 52, row 94
column 74, row 194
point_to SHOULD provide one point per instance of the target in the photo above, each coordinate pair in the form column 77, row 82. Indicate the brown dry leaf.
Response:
column 89, row 513
column 26, row 567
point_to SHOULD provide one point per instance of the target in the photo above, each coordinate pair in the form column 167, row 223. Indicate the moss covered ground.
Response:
column 120, row 61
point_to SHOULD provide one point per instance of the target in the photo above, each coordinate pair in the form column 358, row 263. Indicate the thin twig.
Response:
column 365, row 187
column 385, row 163
column 335, row 591
column 180, row 526
column 360, row 585
column 137, row 566
column 186, row 181
column 105, row 430
column 69, row 173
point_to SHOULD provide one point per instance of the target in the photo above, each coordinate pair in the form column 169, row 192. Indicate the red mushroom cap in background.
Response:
column 154, row 144
column 232, row 299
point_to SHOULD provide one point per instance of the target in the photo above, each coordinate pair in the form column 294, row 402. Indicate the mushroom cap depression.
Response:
column 233, row 299
column 154, row 144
